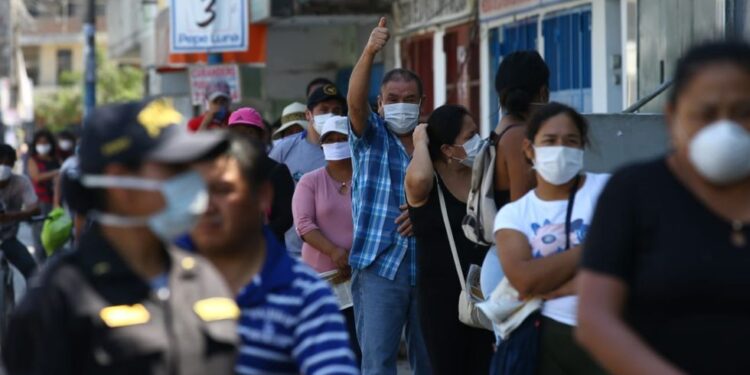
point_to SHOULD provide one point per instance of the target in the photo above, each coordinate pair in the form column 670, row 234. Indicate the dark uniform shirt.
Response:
column 89, row 313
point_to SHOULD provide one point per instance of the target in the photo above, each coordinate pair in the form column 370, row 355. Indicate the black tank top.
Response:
column 434, row 258
column 502, row 197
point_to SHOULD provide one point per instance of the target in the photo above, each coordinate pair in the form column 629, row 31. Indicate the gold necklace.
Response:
column 738, row 236
column 342, row 187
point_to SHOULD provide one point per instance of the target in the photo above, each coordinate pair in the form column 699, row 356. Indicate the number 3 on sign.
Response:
column 210, row 13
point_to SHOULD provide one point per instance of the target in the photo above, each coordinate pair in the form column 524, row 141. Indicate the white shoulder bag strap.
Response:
column 449, row 232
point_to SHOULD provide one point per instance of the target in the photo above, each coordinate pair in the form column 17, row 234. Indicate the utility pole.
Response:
column 7, row 53
column 89, row 33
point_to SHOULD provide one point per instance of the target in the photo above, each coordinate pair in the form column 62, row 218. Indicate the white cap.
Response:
column 336, row 124
column 293, row 114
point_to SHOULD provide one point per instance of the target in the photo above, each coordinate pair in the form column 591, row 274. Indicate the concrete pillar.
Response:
column 606, row 55
column 486, row 79
column 629, row 55
column 438, row 68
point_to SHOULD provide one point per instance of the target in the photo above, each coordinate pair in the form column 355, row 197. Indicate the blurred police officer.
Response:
column 124, row 303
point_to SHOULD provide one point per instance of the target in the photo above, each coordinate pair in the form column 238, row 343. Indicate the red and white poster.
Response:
column 202, row 75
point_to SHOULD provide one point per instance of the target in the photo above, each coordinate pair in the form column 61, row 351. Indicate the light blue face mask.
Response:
column 185, row 195
column 187, row 199
column 401, row 118
column 471, row 148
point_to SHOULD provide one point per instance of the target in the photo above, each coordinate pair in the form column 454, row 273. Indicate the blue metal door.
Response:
column 567, row 51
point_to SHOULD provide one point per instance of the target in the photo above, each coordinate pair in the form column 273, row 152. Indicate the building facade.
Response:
column 52, row 43
column 667, row 28
column 604, row 55
column 579, row 39
column 291, row 42
column 440, row 42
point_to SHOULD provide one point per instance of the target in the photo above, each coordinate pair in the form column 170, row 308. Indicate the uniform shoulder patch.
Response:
column 124, row 315
column 217, row 308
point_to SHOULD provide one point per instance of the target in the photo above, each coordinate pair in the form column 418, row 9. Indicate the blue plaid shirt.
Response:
column 379, row 160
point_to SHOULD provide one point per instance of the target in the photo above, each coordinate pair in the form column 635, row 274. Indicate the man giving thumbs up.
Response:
column 383, row 252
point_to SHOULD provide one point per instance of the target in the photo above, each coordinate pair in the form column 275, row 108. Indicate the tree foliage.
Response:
column 59, row 109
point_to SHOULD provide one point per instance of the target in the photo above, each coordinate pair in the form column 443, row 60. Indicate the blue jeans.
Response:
column 382, row 308
column 19, row 256
column 519, row 353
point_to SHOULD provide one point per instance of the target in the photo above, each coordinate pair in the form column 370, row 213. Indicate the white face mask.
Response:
column 401, row 118
column 558, row 164
column 720, row 152
column 337, row 151
column 471, row 147
column 5, row 172
column 320, row 120
column 43, row 149
column 66, row 145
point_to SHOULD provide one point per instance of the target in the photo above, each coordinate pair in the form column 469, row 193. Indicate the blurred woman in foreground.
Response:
column 664, row 286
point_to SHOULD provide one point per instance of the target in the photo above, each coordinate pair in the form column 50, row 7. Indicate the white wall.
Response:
column 298, row 53
column 124, row 26
column 175, row 85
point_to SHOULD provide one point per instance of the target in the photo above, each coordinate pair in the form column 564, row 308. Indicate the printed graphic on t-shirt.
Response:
column 549, row 238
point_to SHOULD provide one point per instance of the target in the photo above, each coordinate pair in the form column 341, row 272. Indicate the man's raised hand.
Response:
column 378, row 38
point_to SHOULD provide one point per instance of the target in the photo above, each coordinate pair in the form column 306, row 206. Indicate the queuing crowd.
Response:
column 316, row 247
column 35, row 193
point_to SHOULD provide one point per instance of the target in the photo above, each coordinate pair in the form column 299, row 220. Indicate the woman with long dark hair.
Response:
column 539, row 241
column 444, row 150
column 43, row 168
column 522, row 85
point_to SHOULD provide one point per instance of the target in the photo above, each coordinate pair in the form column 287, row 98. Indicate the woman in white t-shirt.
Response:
column 539, row 238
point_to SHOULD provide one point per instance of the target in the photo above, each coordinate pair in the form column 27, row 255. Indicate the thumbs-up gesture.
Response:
column 378, row 38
